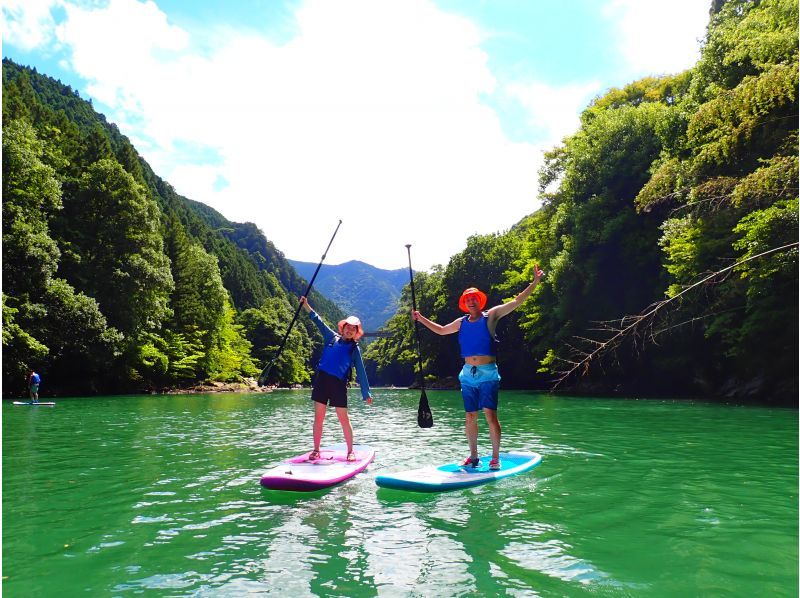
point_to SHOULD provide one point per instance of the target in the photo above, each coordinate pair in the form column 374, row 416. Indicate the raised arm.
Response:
column 498, row 311
column 437, row 328
column 327, row 333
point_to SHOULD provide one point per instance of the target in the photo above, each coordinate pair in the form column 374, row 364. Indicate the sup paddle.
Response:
column 424, row 415
column 262, row 378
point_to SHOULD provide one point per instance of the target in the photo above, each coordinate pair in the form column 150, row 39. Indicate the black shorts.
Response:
column 329, row 389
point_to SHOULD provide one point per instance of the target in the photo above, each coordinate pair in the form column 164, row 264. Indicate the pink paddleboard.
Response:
column 300, row 474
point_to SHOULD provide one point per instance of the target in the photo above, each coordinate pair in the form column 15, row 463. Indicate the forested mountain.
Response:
column 357, row 288
column 668, row 235
column 111, row 280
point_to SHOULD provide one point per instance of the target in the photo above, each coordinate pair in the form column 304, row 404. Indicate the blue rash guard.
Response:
column 474, row 337
column 339, row 355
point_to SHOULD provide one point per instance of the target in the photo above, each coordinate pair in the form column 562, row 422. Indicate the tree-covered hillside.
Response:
column 370, row 293
column 112, row 281
column 668, row 235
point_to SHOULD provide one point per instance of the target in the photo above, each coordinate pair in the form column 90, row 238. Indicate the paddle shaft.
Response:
column 416, row 324
column 297, row 311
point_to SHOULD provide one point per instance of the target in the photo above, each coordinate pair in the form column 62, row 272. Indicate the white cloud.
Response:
column 554, row 112
column 371, row 114
column 28, row 24
column 658, row 38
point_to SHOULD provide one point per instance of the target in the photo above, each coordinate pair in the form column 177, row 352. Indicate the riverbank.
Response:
column 247, row 385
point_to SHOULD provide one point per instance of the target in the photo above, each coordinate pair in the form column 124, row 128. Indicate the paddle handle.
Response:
column 416, row 324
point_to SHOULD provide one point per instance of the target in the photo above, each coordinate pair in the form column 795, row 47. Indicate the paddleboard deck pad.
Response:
column 453, row 475
column 42, row 403
column 301, row 475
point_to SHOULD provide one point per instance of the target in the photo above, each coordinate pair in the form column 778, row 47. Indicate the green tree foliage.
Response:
column 392, row 359
column 31, row 196
column 121, row 249
column 19, row 349
column 76, row 360
column 732, row 188
column 265, row 328
column 668, row 181
column 43, row 316
column 114, row 282
column 679, row 192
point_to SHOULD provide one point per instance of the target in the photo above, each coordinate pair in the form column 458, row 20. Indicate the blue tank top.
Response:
column 474, row 337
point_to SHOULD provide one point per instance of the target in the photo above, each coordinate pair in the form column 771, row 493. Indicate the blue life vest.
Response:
column 474, row 337
column 337, row 357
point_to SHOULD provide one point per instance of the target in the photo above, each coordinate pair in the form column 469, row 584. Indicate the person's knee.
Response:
column 491, row 416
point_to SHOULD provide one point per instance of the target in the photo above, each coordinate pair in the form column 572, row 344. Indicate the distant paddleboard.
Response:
column 42, row 403
column 300, row 474
column 453, row 476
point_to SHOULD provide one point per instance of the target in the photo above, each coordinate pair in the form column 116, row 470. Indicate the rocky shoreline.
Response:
column 250, row 385
column 247, row 385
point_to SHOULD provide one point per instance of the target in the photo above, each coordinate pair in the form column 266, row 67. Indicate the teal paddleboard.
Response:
column 453, row 475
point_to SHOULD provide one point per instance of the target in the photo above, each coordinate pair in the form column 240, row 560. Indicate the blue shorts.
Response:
column 479, row 386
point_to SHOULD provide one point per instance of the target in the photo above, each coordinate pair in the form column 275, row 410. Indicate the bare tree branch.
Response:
column 647, row 317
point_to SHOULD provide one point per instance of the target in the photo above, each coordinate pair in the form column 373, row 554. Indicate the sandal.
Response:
column 351, row 456
column 313, row 455
column 494, row 464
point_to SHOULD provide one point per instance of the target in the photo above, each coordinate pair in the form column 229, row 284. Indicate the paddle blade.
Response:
column 424, row 415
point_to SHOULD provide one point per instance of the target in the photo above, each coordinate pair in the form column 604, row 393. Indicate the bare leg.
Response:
column 471, row 428
column 319, row 419
column 494, row 431
column 347, row 427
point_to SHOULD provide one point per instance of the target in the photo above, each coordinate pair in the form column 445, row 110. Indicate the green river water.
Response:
column 159, row 495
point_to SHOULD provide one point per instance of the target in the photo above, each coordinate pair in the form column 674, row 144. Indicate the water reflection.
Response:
column 622, row 504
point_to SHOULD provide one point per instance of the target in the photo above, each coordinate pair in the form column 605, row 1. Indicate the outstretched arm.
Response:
column 437, row 328
column 327, row 333
column 498, row 311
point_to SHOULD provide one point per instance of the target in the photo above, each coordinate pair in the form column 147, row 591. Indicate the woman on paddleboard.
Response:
column 480, row 379
column 340, row 353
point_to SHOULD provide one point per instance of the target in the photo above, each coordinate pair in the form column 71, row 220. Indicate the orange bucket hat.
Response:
column 472, row 291
column 353, row 321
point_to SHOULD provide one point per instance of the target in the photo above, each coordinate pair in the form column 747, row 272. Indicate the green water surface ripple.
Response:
column 116, row 496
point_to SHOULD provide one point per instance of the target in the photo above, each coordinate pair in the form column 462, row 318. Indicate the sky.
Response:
column 417, row 122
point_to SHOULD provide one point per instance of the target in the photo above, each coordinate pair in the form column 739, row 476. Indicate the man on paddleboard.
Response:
column 480, row 378
column 339, row 354
column 33, row 385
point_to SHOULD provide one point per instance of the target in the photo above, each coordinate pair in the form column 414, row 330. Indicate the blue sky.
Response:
column 412, row 121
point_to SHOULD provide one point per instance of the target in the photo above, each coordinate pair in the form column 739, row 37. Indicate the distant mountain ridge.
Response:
column 358, row 288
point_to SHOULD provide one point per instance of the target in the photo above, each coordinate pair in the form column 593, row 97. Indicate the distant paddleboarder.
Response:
column 33, row 385
column 480, row 379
